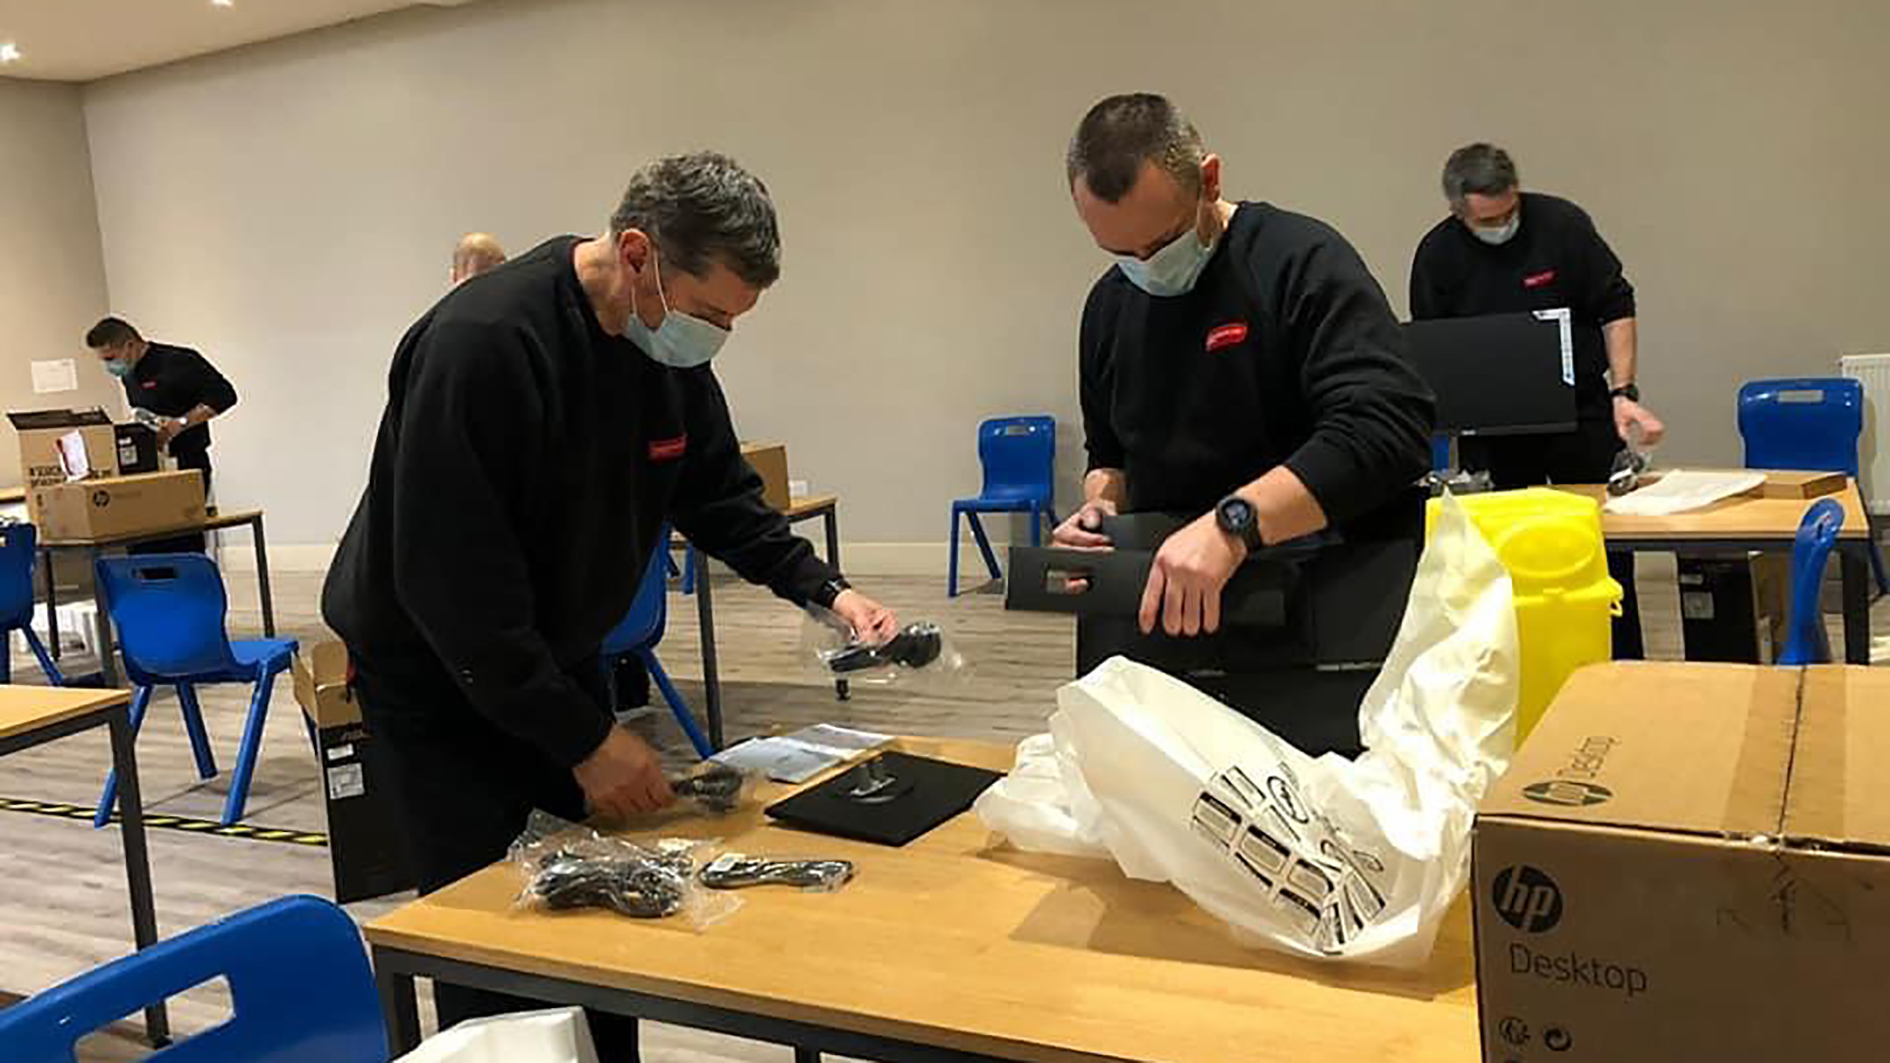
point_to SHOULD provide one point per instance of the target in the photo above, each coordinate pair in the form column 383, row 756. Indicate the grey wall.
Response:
column 52, row 279
column 289, row 207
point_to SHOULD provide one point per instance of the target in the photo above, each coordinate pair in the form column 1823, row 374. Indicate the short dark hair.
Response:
column 1121, row 133
column 1479, row 169
column 703, row 208
column 110, row 332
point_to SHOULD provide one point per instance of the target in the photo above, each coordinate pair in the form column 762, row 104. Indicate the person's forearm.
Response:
column 202, row 413
column 1107, row 485
column 1283, row 507
column 1623, row 354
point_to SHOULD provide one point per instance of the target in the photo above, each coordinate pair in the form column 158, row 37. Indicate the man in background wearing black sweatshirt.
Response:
column 1237, row 362
column 544, row 422
column 1504, row 250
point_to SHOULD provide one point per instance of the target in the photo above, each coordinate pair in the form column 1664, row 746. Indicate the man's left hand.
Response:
column 1184, row 584
column 1629, row 416
column 169, row 431
column 872, row 623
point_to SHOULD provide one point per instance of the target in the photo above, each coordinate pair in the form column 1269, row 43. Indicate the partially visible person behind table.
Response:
column 475, row 253
column 543, row 427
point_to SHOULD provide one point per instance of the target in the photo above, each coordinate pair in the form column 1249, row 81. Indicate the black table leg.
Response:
column 711, row 681
column 831, row 518
column 52, row 602
column 401, row 1009
column 806, row 1055
column 157, row 1023
column 107, row 654
column 1854, row 564
column 262, row 578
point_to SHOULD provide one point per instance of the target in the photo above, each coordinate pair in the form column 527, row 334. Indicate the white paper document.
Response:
column 61, row 374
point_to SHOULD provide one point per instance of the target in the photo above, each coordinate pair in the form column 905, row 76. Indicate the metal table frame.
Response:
column 396, row 969
column 95, row 548
column 829, row 513
column 117, row 717
column 1853, row 566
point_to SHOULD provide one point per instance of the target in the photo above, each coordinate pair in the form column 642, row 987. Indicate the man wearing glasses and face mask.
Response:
column 1238, row 363
column 543, row 425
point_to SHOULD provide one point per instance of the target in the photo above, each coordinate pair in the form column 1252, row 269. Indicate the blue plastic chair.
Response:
column 638, row 633
column 1019, row 455
column 170, row 611
column 300, row 988
column 1807, row 642
column 19, row 554
column 1810, row 423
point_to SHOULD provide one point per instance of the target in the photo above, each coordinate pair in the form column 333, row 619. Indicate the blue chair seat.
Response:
column 1001, row 503
column 257, row 656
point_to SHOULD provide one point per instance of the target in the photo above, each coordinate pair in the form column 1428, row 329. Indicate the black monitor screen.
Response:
column 1504, row 374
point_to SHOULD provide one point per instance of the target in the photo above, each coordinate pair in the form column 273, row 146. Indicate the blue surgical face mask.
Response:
column 680, row 340
column 118, row 367
column 1501, row 234
column 1172, row 270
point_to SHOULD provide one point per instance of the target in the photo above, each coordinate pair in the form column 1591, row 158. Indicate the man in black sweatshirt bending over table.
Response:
column 1237, row 362
column 544, row 421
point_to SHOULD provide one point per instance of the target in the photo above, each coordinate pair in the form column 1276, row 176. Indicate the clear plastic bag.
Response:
column 716, row 789
column 734, row 871
column 567, row 865
column 920, row 656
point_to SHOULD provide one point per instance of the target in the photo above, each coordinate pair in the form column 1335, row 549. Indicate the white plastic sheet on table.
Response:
column 1683, row 491
column 559, row 1035
column 1325, row 858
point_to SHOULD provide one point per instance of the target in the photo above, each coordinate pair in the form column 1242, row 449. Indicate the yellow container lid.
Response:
column 1550, row 541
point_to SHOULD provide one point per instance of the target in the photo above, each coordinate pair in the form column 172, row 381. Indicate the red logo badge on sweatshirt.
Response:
column 1537, row 280
column 1226, row 336
column 150, row 385
column 668, row 449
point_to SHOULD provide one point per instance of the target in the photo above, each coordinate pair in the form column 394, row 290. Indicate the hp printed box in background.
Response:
column 1690, row 862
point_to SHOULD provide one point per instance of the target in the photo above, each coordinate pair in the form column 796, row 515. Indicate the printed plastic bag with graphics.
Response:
column 1324, row 858
column 560, row 1035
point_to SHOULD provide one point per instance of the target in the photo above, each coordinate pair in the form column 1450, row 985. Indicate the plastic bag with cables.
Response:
column 569, row 866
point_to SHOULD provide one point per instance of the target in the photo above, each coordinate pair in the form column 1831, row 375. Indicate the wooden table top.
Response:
column 12, row 495
column 800, row 507
column 958, row 942
column 229, row 518
column 1734, row 518
column 24, row 709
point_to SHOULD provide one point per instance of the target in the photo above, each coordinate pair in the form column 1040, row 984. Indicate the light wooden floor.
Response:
column 62, row 894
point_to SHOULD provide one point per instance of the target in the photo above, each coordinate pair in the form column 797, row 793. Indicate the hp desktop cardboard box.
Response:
column 40, row 434
column 364, row 842
column 118, row 505
column 1690, row 862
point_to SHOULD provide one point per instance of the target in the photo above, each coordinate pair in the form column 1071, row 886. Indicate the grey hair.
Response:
column 1481, row 170
column 1122, row 133
column 700, row 209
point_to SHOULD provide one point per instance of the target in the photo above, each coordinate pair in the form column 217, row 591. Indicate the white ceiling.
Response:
column 79, row 40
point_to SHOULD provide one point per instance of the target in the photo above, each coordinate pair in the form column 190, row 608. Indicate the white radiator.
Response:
column 1873, row 371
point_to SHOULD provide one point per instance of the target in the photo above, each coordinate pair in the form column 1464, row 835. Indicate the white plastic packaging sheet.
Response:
column 559, row 1035
column 1324, row 858
column 1682, row 491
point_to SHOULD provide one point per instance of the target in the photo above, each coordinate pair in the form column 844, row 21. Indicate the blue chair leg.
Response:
column 1036, row 525
column 676, row 705
column 689, row 571
column 984, row 546
column 252, row 745
column 53, row 675
column 193, row 725
column 951, row 581
column 140, row 700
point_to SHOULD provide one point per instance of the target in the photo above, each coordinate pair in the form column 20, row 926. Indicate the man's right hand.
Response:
column 623, row 778
column 1083, row 531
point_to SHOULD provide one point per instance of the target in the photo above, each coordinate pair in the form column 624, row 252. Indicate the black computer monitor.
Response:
column 1502, row 374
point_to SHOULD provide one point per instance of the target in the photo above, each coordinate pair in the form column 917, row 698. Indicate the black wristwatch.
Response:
column 1630, row 392
column 1236, row 516
column 830, row 591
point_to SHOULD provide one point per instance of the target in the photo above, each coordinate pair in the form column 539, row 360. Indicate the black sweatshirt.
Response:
column 1284, row 353
column 172, row 381
column 1556, row 259
column 524, row 469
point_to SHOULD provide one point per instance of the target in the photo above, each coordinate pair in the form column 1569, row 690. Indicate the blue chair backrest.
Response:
column 1019, row 455
column 1807, row 642
column 649, row 611
column 18, row 553
column 1804, row 423
column 300, row 988
column 170, row 611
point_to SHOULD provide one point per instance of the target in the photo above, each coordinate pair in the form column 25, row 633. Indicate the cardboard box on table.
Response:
column 364, row 840
column 40, row 432
column 1690, row 862
column 770, row 460
column 113, row 506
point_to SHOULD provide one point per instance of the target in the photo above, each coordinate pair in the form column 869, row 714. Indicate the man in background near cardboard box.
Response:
column 476, row 253
column 180, row 389
column 545, row 424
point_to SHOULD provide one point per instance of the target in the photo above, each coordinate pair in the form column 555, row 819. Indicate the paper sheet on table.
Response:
column 798, row 757
column 1681, row 491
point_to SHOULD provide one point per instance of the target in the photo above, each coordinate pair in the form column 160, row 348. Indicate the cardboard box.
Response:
column 119, row 505
column 40, row 432
column 364, row 840
column 1735, row 609
column 770, row 460
column 1690, row 862
column 1783, row 484
column 137, row 449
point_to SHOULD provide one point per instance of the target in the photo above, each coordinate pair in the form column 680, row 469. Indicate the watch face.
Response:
column 1236, row 514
